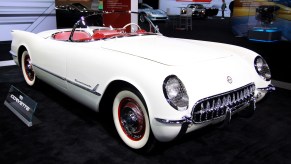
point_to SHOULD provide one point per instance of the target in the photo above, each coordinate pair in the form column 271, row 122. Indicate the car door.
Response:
column 84, row 74
column 49, row 58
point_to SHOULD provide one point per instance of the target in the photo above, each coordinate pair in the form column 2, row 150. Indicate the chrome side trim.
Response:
column 269, row 88
column 82, row 87
column 82, row 83
column 62, row 78
column 71, row 82
column 184, row 119
column 12, row 53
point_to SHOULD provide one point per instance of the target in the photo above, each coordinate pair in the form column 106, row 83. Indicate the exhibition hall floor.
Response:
column 69, row 132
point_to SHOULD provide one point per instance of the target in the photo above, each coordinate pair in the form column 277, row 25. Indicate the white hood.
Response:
column 169, row 51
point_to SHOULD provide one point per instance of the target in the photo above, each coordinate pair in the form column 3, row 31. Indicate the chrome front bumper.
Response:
column 246, row 106
column 269, row 88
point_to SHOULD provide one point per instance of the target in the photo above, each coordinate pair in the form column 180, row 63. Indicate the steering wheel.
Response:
column 133, row 29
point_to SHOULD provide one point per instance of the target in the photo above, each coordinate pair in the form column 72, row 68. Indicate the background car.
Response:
column 152, row 87
column 200, row 11
column 153, row 14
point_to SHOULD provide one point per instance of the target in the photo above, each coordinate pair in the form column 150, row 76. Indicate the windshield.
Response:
column 144, row 6
column 111, row 25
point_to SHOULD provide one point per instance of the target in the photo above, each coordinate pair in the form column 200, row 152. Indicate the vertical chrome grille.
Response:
column 216, row 106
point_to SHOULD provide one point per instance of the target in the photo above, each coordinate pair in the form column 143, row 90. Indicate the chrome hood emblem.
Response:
column 229, row 79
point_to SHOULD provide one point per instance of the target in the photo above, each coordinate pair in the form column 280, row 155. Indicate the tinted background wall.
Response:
column 87, row 3
column 173, row 7
column 28, row 15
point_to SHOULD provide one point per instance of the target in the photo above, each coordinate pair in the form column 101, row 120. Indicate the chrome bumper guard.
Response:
column 177, row 122
column 217, row 106
column 269, row 88
column 220, row 107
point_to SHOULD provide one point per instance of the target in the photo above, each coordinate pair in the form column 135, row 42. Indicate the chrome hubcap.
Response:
column 131, row 119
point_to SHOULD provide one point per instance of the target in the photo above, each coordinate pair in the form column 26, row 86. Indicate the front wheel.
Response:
column 131, row 120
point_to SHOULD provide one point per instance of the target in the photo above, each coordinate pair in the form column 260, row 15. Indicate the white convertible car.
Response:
column 157, row 88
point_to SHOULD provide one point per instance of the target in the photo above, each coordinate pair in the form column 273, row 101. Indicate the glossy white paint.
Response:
column 144, row 62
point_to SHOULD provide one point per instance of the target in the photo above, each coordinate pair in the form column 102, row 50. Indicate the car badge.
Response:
column 229, row 79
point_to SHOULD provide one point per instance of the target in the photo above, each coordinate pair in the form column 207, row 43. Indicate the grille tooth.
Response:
column 241, row 95
column 224, row 101
column 233, row 98
column 215, row 106
column 202, row 107
column 219, row 103
column 245, row 93
column 229, row 103
column 237, row 97
column 208, row 110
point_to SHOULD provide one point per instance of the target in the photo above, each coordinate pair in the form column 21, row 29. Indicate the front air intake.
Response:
column 215, row 107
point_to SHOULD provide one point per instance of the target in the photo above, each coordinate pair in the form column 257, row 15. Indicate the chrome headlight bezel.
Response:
column 262, row 68
column 175, row 93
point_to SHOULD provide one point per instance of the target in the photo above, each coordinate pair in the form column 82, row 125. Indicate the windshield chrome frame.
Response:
column 82, row 22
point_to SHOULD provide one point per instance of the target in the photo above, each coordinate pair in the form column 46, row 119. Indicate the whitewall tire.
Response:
column 27, row 69
column 131, row 119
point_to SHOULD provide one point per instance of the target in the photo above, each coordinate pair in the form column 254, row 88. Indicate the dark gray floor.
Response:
column 72, row 133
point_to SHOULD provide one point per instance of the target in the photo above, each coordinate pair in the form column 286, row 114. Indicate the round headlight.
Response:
column 175, row 93
column 262, row 68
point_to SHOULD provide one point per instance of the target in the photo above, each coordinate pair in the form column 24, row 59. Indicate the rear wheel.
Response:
column 131, row 120
column 27, row 69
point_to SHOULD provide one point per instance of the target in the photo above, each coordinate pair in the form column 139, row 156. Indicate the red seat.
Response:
column 81, row 36
column 102, row 34
column 78, row 36
column 141, row 31
column 62, row 35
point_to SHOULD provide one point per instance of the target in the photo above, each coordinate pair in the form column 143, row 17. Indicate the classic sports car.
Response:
column 153, row 14
column 198, row 10
column 154, row 86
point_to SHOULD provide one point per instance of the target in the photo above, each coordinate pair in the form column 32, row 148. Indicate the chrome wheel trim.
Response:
column 131, row 119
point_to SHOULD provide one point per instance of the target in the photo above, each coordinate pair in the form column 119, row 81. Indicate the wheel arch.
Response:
column 112, row 89
column 107, row 100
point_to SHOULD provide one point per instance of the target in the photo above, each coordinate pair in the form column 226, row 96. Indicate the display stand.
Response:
column 265, row 34
column 22, row 106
